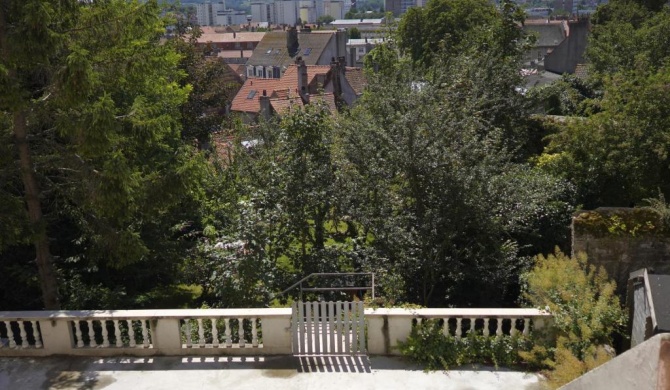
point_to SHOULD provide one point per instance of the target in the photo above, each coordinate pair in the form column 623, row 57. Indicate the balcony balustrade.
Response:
column 236, row 332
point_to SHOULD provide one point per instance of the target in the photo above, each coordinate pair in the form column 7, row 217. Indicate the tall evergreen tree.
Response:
column 92, row 98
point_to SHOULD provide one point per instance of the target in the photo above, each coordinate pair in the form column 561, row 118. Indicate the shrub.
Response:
column 586, row 313
column 428, row 345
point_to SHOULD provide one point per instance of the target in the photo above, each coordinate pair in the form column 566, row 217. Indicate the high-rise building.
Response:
column 207, row 13
column 263, row 12
column 286, row 12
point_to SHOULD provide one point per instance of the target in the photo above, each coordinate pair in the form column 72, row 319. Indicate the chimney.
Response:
column 352, row 56
column 234, row 35
column 302, row 79
column 292, row 44
column 341, row 43
column 241, row 53
column 265, row 106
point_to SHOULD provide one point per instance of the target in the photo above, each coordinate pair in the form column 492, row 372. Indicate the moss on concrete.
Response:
column 632, row 222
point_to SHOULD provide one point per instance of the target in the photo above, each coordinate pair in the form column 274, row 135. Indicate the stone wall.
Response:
column 622, row 240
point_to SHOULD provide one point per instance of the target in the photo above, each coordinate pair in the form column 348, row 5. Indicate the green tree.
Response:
column 441, row 25
column 325, row 19
column 618, row 157
column 427, row 169
column 626, row 36
column 213, row 86
column 282, row 224
column 585, row 310
column 92, row 97
column 354, row 33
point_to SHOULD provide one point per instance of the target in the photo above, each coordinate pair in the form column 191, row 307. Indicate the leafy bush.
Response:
column 428, row 345
column 586, row 313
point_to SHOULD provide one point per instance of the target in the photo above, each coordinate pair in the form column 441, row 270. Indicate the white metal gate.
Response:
column 328, row 328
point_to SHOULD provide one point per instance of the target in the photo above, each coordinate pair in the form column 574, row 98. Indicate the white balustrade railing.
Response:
column 388, row 326
column 226, row 331
column 146, row 332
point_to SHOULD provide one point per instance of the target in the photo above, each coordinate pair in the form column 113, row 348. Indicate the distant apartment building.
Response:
column 289, row 12
column 216, row 14
column 369, row 28
column 399, row 7
column 358, row 48
column 334, row 8
column 564, row 6
column 263, row 11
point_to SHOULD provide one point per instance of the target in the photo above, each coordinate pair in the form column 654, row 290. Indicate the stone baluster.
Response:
column 215, row 333
column 131, row 333
column 486, row 327
column 240, row 331
column 445, row 326
column 526, row 326
column 499, row 326
column 10, row 334
column 229, row 338
column 458, row 327
column 189, row 342
column 91, row 334
column 117, row 334
column 512, row 329
column 254, row 333
column 201, row 333
column 105, row 334
column 472, row 325
column 77, row 332
column 145, row 334
column 23, row 335
column 36, row 334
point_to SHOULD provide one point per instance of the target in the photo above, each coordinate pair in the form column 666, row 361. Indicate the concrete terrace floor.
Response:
column 266, row 373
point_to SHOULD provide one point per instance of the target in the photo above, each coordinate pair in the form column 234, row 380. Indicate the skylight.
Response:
column 269, row 51
column 307, row 51
column 251, row 94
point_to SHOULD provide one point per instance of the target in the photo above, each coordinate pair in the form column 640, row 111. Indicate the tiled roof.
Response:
column 356, row 79
column 284, row 88
column 272, row 51
column 231, row 37
column 548, row 34
column 282, row 106
column 238, row 69
column 234, row 54
column 327, row 98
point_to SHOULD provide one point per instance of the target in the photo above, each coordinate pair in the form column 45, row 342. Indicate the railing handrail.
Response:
column 459, row 312
column 313, row 274
column 150, row 313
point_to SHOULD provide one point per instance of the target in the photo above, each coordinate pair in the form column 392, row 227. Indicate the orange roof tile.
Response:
column 282, row 106
column 246, row 101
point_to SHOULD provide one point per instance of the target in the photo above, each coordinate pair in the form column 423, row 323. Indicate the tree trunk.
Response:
column 47, row 273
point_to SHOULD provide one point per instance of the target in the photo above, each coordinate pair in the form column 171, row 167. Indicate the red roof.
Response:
column 248, row 97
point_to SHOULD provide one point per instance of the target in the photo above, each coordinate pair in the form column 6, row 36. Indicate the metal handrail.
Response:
column 317, row 274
